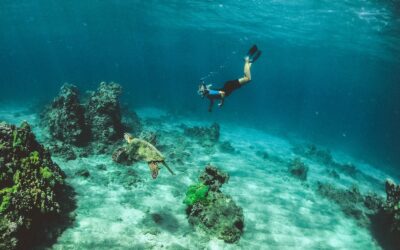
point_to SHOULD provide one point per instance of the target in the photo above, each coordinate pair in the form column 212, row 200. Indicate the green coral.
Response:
column 46, row 172
column 34, row 157
column 16, row 139
column 196, row 193
column 5, row 197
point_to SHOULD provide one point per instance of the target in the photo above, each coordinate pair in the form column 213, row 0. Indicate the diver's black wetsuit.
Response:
column 228, row 88
column 231, row 86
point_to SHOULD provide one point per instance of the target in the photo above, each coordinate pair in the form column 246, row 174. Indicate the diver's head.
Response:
column 202, row 91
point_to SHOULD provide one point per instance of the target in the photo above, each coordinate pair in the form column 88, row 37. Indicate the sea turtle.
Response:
column 140, row 150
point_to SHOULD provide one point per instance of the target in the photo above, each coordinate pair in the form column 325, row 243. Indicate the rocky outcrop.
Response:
column 352, row 202
column 64, row 117
column 213, row 178
column 386, row 223
column 103, row 113
column 34, row 199
column 213, row 211
column 97, row 124
column 298, row 169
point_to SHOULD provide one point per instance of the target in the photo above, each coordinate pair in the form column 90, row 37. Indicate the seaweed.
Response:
column 196, row 193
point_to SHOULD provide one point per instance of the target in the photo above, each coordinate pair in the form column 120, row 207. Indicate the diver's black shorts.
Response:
column 230, row 86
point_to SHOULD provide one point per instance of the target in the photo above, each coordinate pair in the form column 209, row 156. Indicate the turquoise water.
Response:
column 329, row 74
column 329, row 71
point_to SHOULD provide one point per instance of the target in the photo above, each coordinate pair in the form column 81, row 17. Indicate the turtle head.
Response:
column 128, row 138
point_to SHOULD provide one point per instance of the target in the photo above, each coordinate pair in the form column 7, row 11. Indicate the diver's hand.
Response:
column 220, row 105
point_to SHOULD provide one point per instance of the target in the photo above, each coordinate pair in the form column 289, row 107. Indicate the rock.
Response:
column 212, row 211
column 34, row 199
column 64, row 118
column 204, row 134
column 392, row 206
column 103, row 114
column 213, row 177
column 220, row 217
column 351, row 202
column 386, row 222
column 63, row 150
column 298, row 169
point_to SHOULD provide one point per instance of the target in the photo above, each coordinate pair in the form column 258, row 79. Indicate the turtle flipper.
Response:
column 153, row 169
column 169, row 169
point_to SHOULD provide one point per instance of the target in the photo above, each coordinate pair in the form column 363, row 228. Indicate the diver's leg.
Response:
column 247, row 74
column 211, row 105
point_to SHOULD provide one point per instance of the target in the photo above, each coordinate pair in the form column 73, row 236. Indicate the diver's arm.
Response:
column 247, row 74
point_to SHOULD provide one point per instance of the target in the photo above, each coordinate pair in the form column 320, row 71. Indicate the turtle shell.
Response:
column 141, row 150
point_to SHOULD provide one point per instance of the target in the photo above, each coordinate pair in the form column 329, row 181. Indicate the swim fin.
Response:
column 255, row 56
column 252, row 50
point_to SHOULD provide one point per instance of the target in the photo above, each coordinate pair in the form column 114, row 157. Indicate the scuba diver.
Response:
column 232, row 85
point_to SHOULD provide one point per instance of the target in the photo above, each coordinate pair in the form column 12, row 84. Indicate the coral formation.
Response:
column 98, row 121
column 352, row 202
column 63, row 150
column 64, row 117
column 103, row 113
column 208, row 208
column 386, row 223
column 213, row 177
column 196, row 193
column 325, row 158
column 298, row 169
column 34, row 198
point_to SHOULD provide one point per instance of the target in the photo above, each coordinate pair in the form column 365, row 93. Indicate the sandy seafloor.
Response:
column 116, row 205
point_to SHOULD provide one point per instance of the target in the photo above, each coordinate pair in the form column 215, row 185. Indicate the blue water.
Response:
column 329, row 72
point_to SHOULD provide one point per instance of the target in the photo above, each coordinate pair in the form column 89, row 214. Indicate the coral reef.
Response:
column 64, row 117
column 352, row 202
column 208, row 208
column 63, row 150
column 325, row 158
column 386, row 223
column 213, row 178
column 34, row 199
column 298, row 169
column 103, row 113
column 98, row 122
column 207, row 136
